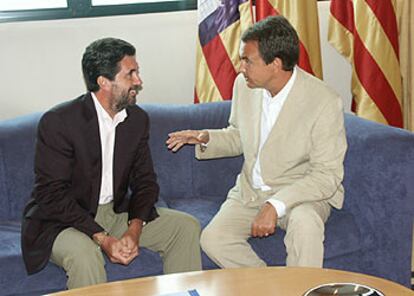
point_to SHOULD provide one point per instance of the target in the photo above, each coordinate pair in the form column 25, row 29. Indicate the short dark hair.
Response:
column 276, row 39
column 102, row 57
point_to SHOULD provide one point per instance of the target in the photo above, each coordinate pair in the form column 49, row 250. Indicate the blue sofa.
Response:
column 372, row 234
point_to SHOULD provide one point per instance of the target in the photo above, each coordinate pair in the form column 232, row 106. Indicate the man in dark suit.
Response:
column 95, row 186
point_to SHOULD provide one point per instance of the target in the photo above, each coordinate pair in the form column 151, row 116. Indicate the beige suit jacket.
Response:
column 302, row 159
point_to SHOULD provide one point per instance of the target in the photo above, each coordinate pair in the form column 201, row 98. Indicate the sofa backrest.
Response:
column 180, row 175
column 379, row 162
column 17, row 142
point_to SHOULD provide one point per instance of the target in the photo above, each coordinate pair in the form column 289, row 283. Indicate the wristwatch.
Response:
column 99, row 239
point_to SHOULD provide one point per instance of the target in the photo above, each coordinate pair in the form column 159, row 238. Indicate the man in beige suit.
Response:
column 289, row 127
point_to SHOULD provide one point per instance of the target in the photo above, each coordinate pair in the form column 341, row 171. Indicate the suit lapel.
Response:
column 256, row 115
column 93, row 144
column 92, row 130
column 125, row 133
column 288, row 114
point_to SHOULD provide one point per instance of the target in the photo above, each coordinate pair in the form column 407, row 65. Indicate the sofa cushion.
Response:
column 200, row 208
column 16, row 279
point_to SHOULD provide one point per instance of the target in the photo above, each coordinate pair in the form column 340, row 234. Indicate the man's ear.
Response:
column 103, row 82
column 277, row 62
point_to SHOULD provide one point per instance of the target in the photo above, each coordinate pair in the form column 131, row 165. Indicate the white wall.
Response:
column 40, row 61
column 336, row 69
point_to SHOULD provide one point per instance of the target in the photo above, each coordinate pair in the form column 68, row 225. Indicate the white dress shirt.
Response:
column 107, row 130
column 271, row 107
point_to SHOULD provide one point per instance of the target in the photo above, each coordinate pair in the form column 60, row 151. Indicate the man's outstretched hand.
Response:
column 178, row 139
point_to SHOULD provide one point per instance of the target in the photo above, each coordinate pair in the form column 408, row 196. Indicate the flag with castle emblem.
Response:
column 220, row 24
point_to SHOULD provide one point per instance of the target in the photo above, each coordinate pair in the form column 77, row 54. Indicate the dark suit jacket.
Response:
column 68, row 168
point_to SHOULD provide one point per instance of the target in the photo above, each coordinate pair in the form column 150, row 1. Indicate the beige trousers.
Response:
column 224, row 240
column 174, row 235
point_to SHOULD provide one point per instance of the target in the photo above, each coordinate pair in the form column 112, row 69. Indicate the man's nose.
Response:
column 137, row 80
column 242, row 67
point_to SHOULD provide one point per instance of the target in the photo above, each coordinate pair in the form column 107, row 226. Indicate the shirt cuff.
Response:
column 279, row 206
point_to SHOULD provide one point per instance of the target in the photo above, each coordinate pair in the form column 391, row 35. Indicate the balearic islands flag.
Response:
column 220, row 24
column 366, row 33
column 303, row 15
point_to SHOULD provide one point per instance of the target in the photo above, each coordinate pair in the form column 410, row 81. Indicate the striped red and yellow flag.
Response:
column 303, row 15
column 366, row 33
column 220, row 24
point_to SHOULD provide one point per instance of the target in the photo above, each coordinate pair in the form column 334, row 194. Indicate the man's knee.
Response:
column 211, row 239
column 85, row 268
column 187, row 222
column 74, row 250
column 305, row 222
column 84, row 259
column 180, row 223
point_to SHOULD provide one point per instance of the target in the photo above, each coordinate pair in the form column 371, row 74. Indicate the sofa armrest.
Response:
column 379, row 190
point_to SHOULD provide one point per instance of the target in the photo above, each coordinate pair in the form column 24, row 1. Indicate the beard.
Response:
column 125, row 98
